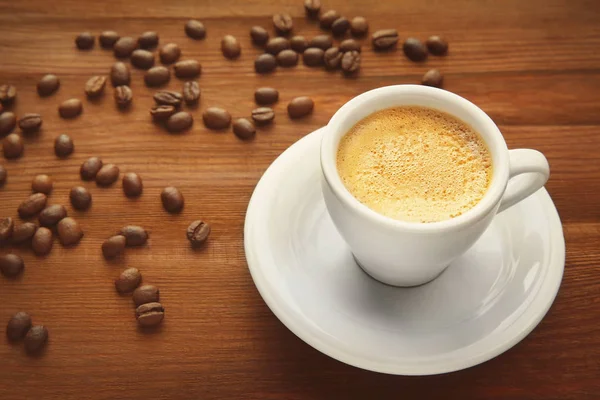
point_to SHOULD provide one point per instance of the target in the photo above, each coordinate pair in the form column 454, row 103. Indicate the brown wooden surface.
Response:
column 534, row 66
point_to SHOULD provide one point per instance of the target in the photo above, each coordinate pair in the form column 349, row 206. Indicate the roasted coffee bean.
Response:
column 123, row 96
column 195, row 29
column 90, row 168
column 85, row 41
column 259, row 35
column 172, row 199
column 107, row 175
column 230, row 47
column 3, row 175
column 124, row 47
column 94, row 87
column 113, row 246
column 326, row 19
column 179, row 122
column 359, row 26
column 48, row 85
column 7, row 226
column 287, row 58
column 433, row 77
column 277, row 44
column 41, row 184
column 414, row 49
column 351, row 61
column 265, row 63
column 312, row 8
column 266, row 96
column 146, row 294
column 11, row 265
column 162, row 112
column 8, row 93
column 216, row 118
column 157, row 76
column 263, row 115
column 80, row 198
column 150, row 314
column 340, row 26
column 18, row 326
column 198, row 232
column 63, row 146
column 191, row 93
column 36, row 339
column 332, row 58
column 313, row 57
column 50, row 215
column 42, row 241
column 350, row 45
column 243, row 128
column 69, row 231
column 148, row 40
column 70, row 108
column 437, row 46
column 132, row 184
column 33, row 205
column 8, row 121
column 321, row 41
column 134, row 235
column 142, row 59
column 30, row 123
column 120, row 74
column 108, row 39
column 169, row 53
column 168, row 98
column 13, row 146
column 298, row 44
column 283, row 23
column 384, row 39
column 300, row 107
column 128, row 280
column 23, row 232
column 187, row 69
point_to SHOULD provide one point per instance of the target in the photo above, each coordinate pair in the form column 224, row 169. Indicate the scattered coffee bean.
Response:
column 108, row 39
column 69, row 231
column 259, row 35
column 94, row 87
column 90, row 168
column 263, row 115
column 195, row 29
column 351, row 61
column 162, row 112
column 414, row 49
column 191, row 93
column 179, row 122
column 134, row 235
column 42, row 241
column 312, row 8
column 198, row 232
column 359, row 26
column 113, row 246
column 30, row 123
column 120, row 74
column 298, row 44
column 157, row 76
column 146, row 294
column 85, row 41
column 13, row 146
column 230, row 47
column 50, row 215
column 148, row 40
column 169, row 53
column 150, row 314
column 283, row 23
column 3, row 175
column 433, row 77
column 18, row 326
column 277, row 44
column 48, row 85
column 32, row 205
column 80, row 198
column 70, row 108
column 332, row 58
column 266, row 96
column 243, row 128
column 216, row 118
column 124, row 47
column 437, row 46
column 265, row 63
column 327, row 19
column 128, row 280
column 132, row 184
column 384, row 39
column 8, row 93
column 63, row 146
column 321, row 41
column 187, row 69
column 350, row 45
column 168, row 98
column 11, row 265
column 123, row 96
column 300, row 107
column 8, row 121
column 313, row 57
column 41, row 184
column 340, row 26
column 172, row 199
column 107, row 175
column 36, row 339
column 23, row 232
column 7, row 226
column 142, row 59
column 287, row 58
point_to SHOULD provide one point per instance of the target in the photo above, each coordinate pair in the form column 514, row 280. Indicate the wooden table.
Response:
column 534, row 66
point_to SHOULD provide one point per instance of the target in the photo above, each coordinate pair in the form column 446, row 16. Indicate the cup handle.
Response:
column 528, row 172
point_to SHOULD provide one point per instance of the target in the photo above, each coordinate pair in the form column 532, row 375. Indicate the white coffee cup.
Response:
column 407, row 253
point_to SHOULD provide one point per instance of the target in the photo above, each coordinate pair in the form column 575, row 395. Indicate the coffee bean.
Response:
column 30, row 123
column 33, row 205
column 23, row 232
column 63, row 146
column 321, row 41
column 259, row 35
column 263, row 115
column 7, row 226
column 300, row 107
column 350, row 45
column 146, row 294
column 108, row 39
column 8, row 121
column 150, row 314
column 340, row 26
column 179, row 122
column 359, row 26
column 94, row 87
column 120, row 74
column 8, row 93
column 230, row 47
column 80, row 198
column 90, row 168
column 70, row 108
column 162, row 113
column 351, row 61
column 113, row 246
column 41, row 184
column 48, row 85
column 134, row 235
column 312, row 8
column 313, row 57
column 85, row 41
column 287, row 58
column 169, row 53
column 18, row 326
column 243, row 128
column 384, row 39
column 437, row 46
column 13, row 146
column 191, row 93
column 187, row 69
column 265, row 63
column 69, row 231
column 332, row 58
column 132, row 184
column 198, row 232
column 3, row 175
column 36, row 339
column 123, row 96
column 195, row 29
column 42, row 241
column 414, row 49
column 128, row 280
column 283, row 23
column 157, row 76
column 266, row 96
column 107, row 175
column 433, row 77
column 148, row 40
column 216, row 118
column 142, row 59
column 11, row 265
column 124, row 47
column 298, row 44
column 172, row 199
column 327, row 19
column 168, row 98
column 50, row 215
column 277, row 44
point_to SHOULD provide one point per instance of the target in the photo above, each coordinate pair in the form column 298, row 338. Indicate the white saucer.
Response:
column 482, row 305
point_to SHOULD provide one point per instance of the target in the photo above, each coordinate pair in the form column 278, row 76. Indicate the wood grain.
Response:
column 534, row 66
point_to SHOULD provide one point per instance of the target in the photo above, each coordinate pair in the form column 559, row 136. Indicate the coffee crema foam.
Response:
column 415, row 164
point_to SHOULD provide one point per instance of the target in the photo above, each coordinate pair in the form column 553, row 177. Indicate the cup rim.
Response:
column 493, row 139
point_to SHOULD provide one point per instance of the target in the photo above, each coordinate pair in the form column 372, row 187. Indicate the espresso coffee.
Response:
column 415, row 164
